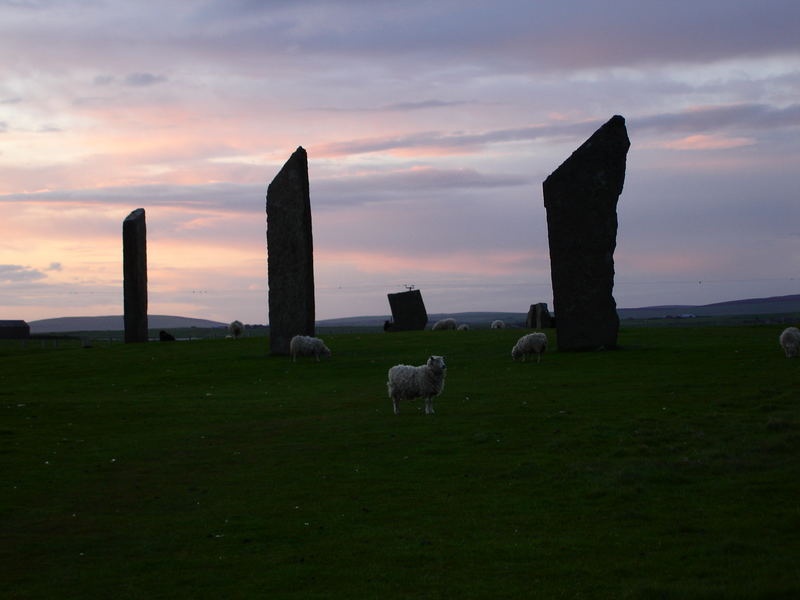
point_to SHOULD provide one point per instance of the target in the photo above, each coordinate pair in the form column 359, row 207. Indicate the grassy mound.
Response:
column 208, row 469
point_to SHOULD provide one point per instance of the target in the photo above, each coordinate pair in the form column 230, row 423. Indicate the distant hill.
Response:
column 115, row 323
column 471, row 318
column 750, row 306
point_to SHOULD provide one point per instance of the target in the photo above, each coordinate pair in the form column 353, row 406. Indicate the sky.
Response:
column 429, row 126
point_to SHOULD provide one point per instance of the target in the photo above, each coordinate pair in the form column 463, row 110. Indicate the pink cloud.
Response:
column 707, row 142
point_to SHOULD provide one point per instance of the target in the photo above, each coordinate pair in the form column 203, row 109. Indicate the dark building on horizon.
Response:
column 14, row 330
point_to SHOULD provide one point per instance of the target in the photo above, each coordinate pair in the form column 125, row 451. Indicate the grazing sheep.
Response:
column 498, row 324
column 444, row 324
column 790, row 341
column 304, row 345
column 425, row 381
column 533, row 343
column 463, row 327
column 236, row 329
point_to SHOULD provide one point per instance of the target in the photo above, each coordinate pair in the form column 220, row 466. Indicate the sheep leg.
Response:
column 538, row 357
column 429, row 406
column 396, row 406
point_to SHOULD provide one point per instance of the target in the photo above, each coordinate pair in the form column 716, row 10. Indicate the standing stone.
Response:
column 539, row 317
column 134, row 268
column 408, row 311
column 581, row 202
column 290, row 254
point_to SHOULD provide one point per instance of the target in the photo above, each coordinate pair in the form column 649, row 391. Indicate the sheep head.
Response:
column 437, row 363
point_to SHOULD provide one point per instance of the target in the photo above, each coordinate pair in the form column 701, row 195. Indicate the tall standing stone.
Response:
column 581, row 197
column 134, row 269
column 290, row 254
column 408, row 311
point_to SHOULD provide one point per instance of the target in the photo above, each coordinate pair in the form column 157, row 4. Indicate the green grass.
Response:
column 209, row 469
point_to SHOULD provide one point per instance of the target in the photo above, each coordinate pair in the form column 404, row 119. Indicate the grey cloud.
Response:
column 103, row 80
column 11, row 100
column 748, row 117
column 407, row 106
column 437, row 139
column 216, row 197
column 399, row 106
column 3, row 126
column 515, row 35
column 415, row 180
column 248, row 199
column 54, row 266
column 15, row 273
column 143, row 79
column 752, row 117
column 25, row 4
column 332, row 193
column 413, row 37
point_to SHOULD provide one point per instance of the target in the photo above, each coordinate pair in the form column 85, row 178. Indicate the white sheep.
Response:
column 448, row 323
column 305, row 345
column 236, row 329
column 498, row 324
column 790, row 341
column 532, row 343
column 463, row 327
column 425, row 381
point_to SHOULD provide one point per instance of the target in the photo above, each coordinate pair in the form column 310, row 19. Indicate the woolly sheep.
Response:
column 498, row 324
column 463, row 327
column 425, row 381
column 236, row 329
column 790, row 341
column 444, row 324
column 304, row 345
column 532, row 343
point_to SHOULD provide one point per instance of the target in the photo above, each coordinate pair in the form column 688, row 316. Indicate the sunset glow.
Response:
column 428, row 139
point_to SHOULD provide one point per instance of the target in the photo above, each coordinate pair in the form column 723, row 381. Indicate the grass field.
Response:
column 667, row 469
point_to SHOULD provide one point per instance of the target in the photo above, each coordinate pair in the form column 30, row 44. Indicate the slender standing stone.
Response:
column 408, row 311
column 581, row 201
column 134, row 268
column 290, row 254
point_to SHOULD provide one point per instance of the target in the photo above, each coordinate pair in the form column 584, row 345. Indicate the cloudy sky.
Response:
column 429, row 126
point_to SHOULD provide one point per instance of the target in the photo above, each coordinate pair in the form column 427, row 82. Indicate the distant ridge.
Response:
column 750, row 306
column 115, row 323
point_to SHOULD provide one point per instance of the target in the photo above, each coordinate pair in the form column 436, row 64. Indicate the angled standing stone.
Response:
column 290, row 254
column 408, row 311
column 134, row 269
column 581, row 201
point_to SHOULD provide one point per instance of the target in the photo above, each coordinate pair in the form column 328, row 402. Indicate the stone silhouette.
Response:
column 290, row 254
column 134, row 268
column 408, row 312
column 581, row 197
column 165, row 336
column 539, row 317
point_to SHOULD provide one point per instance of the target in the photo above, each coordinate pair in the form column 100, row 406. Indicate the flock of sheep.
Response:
column 407, row 382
